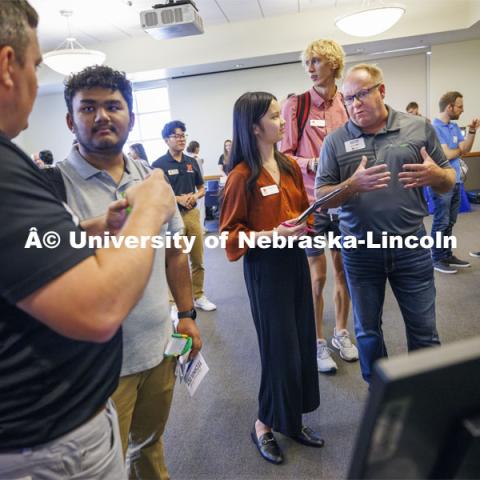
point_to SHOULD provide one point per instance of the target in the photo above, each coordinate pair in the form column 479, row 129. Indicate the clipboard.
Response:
column 317, row 204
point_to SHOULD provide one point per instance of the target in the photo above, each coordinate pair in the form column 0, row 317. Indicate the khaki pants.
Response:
column 143, row 403
column 193, row 228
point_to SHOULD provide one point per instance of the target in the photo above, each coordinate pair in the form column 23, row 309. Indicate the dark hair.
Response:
column 98, row 76
column 139, row 149
column 46, row 156
column 192, row 146
column 447, row 99
column 226, row 154
column 247, row 112
column 411, row 105
column 170, row 127
column 16, row 16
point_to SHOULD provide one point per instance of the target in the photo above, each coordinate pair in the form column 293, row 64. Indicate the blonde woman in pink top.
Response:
column 310, row 117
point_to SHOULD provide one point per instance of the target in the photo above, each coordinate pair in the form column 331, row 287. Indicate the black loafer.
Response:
column 268, row 447
column 309, row 437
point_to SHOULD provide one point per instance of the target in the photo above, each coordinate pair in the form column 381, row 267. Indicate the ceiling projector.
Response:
column 176, row 18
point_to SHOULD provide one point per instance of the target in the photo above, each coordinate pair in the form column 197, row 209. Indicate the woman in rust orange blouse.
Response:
column 263, row 191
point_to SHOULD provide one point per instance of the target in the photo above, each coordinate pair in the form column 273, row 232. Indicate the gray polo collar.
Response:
column 393, row 124
column 85, row 169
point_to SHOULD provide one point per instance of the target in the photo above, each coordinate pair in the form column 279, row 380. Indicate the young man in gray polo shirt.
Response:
column 383, row 158
column 99, row 102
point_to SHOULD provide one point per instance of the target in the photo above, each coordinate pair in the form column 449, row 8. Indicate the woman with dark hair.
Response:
column 193, row 150
column 263, row 192
column 224, row 159
column 137, row 152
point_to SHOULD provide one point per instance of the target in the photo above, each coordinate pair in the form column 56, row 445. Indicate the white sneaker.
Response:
column 341, row 341
column 203, row 303
column 325, row 362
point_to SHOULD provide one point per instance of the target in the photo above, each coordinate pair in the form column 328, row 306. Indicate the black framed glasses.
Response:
column 178, row 136
column 361, row 95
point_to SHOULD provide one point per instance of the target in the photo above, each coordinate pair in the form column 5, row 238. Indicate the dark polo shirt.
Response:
column 394, row 209
column 184, row 176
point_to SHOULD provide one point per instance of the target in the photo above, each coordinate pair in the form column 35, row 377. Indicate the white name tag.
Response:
column 270, row 190
column 173, row 172
column 317, row 123
column 455, row 139
column 355, row 144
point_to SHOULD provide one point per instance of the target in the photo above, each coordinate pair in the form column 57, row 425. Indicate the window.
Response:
column 152, row 111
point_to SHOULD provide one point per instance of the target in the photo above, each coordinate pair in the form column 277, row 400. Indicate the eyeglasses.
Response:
column 361, row 95
column 178, row 136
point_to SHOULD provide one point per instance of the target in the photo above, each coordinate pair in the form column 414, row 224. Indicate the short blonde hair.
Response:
column 375, row 72
column 328, row 49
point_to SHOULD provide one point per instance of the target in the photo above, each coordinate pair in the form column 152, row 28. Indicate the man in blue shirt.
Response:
column 447, row 204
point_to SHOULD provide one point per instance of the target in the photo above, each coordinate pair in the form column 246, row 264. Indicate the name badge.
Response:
column 270, row 190
column 317, row 122
column 455, row 139
column 173, row 172
column 355, row 144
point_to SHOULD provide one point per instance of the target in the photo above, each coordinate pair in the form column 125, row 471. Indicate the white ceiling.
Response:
column 96, row 21
column 117, row 22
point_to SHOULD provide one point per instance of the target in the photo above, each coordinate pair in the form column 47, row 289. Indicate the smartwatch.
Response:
column 188, row 314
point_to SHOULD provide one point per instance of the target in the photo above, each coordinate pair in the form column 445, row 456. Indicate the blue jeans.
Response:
column 410, row 273
column 446, row 206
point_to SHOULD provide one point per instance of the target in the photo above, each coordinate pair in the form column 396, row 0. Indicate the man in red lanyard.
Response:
column 309, row 118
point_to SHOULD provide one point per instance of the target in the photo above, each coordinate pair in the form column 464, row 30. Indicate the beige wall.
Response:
column 205, row 102
column 456, row 66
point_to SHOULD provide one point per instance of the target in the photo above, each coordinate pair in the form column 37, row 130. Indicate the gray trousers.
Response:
column 91, row 451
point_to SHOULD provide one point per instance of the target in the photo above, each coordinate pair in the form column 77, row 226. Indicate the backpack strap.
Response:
column 303, row 110
column 54, row 176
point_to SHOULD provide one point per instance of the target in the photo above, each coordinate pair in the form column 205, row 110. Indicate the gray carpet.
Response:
column 207, row 436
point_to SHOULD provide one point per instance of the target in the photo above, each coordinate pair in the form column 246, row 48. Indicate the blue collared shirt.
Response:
column 449, row 134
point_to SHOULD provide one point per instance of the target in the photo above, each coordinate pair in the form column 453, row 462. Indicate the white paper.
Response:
column 195, row 374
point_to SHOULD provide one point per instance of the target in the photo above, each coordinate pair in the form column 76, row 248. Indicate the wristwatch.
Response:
column 188, row 314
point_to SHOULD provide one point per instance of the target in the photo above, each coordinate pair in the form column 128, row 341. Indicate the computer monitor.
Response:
column 422, row 418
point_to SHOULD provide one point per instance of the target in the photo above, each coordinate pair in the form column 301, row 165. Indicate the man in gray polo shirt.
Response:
column 383, row 158
column 99, row 102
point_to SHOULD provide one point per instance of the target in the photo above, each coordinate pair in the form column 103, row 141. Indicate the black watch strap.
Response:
column 192, row 313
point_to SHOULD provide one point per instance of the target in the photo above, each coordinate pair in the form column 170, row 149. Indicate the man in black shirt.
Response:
column 187, row 182
column 61, row 306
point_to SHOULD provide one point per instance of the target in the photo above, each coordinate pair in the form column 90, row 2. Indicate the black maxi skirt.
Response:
column 280, row 293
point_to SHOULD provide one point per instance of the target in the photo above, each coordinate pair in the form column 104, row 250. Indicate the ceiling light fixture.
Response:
column 71, row 57
column 373, row 18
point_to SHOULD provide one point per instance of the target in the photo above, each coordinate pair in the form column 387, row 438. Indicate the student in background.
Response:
column 447, row 204
column 186, row 179
column 46, row 156
column 223, row 161
column 193, row 150
column 264, row 189
column 136, row 151
column 413, row 109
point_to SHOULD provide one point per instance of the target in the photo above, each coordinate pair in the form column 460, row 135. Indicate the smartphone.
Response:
column 317, row 204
